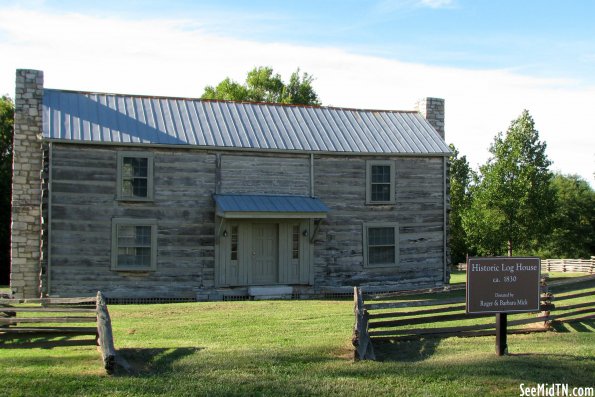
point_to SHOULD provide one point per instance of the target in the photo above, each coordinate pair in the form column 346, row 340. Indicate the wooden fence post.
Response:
column 105, row 338
column 546, row 301
column 361, row 339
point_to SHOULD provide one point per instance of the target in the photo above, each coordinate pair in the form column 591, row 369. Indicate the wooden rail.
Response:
column 412, row 319
column 569, row 265
column 48, row 318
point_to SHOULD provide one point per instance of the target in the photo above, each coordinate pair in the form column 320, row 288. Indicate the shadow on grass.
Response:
column 413, row 350
column 574, row 326
column 487, row 369
column 406, row 350
column 139, row 362
column 40, row 342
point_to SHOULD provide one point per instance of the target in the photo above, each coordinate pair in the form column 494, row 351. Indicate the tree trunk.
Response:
column 509, row 247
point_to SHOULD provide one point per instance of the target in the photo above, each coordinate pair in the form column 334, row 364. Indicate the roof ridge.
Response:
column 230, row 101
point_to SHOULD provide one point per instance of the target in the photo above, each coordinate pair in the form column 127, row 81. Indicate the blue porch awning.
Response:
column 252, row 206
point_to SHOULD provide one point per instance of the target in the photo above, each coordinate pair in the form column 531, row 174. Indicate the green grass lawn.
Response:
column 459, row 276
column 290, row 348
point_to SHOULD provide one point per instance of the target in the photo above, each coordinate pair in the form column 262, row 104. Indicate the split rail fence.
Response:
column 569, row 265
column 414, row 319
column 52, row 320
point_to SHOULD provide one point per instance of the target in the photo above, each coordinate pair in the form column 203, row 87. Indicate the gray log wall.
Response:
column 265, row 174
column 419, row 211
column 83, row 203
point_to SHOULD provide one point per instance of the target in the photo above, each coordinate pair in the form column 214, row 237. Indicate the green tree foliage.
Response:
column 461, row 176
column 513, row 200
column 262, row 85
column 6, row 133
column 573, row 233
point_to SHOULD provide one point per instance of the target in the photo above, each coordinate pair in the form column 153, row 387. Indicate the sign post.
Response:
column 501, row 345
column 503, row 285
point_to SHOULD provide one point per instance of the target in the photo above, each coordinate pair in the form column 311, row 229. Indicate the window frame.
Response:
column 150, row 175
column 369, row 165
column 366, row 246
column 133, row 222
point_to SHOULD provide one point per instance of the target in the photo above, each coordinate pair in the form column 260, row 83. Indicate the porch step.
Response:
column 270, row 292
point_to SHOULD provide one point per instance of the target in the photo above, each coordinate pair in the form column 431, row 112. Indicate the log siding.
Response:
column 84, row 202
column 418, row 210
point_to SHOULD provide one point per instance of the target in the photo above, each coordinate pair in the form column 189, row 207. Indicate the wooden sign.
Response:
column 503, row 285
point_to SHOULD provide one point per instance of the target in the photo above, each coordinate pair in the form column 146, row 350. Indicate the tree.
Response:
column 263, row 86
column 6, row 133
column 513, row 200
column 461, row 176
column 573, row 234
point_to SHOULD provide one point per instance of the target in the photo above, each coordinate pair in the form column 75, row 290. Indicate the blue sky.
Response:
column 488, row 59
column 537, row 37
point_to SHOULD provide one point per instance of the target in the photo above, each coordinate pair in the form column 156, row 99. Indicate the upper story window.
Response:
column 135, row 176
column 380, row 182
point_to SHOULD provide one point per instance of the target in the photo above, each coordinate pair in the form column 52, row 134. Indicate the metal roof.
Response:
column 268, row 206
column 124, row 119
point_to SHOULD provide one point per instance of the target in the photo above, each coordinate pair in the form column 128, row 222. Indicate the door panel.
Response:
column 265, row 255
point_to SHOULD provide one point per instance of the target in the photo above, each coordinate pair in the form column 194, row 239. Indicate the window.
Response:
column 381, row 244
column 134, row 244
column 295, row 242
column 234, row 242
column 380, row 177
column 135, row 176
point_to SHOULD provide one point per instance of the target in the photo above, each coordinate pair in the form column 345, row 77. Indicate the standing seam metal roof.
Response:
column 113, row 118
column 268, row 203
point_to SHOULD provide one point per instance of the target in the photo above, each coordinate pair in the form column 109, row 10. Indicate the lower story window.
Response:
column 381, row 247
column 134, row 244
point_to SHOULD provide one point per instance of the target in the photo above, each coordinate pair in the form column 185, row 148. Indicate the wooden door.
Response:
column 265, row 254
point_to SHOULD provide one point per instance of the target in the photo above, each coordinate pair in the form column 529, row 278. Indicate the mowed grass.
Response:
column 290, row 348
column 458, row 276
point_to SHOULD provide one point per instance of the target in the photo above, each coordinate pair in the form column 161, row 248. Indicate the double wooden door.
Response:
column 264, row 253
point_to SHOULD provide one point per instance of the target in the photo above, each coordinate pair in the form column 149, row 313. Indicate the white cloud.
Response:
column 437, row 3
column 389, row 6
column 178, row 58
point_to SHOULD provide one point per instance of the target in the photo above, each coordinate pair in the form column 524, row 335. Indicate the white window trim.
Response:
column 369, row 165
column 394, row 225
column 134, row 222
column 149, row 157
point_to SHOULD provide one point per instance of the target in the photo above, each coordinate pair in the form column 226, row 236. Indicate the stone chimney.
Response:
column 432, row 109
column 25, row 252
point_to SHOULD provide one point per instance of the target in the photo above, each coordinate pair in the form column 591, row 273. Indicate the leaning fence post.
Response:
column 546, row 301
column 361, row 339
column 105, row 338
